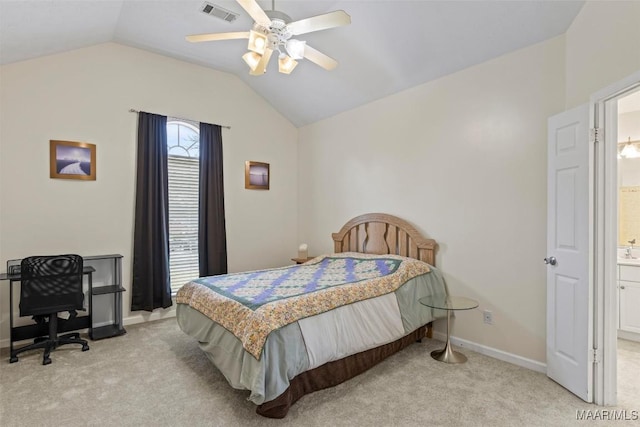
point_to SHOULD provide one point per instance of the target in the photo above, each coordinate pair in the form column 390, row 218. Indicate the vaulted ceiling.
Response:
column 389, row 46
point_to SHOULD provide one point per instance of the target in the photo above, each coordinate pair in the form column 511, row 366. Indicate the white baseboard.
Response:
column 630, row 336
column 141, row 317
column 514, row 359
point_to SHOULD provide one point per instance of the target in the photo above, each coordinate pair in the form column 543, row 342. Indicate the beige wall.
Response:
column 85, row 95
column 603, row 47
column 629, row 126
column 463, row 158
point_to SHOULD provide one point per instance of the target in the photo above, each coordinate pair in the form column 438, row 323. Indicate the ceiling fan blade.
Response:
column 320, row 58
column 255, row 12
column 195, row 38
column 262, row 65
column 320, row 22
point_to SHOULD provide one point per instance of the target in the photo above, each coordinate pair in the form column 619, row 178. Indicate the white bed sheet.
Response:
column 351, row 329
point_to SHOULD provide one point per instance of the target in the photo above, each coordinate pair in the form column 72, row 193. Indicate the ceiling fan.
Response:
column 273, row 31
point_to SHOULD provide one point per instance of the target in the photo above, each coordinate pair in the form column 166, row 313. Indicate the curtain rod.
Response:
column 131, row 110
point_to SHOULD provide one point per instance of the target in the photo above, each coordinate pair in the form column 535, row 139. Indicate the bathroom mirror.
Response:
column 628, row 201
column 628, row 137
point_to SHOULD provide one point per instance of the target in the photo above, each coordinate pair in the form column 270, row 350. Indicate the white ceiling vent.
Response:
column 218, row 12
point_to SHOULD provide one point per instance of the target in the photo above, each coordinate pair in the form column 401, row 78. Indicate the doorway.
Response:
column 614, row 113
column 628, row 255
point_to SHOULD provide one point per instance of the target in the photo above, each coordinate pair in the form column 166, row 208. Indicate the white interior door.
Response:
column 569, row 326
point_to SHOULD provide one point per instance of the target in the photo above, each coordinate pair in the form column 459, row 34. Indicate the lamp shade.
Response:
column 286, row 64
column 630, row 151
column 257, row 42
column 295, row 48
column 252, row 59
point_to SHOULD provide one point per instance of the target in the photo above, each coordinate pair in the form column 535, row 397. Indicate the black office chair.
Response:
column 50, row 285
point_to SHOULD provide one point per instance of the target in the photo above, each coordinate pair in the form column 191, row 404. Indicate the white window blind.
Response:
column 183, row 220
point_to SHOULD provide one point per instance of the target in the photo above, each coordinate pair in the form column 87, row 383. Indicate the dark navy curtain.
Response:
column 212, row 237
column 151, row 286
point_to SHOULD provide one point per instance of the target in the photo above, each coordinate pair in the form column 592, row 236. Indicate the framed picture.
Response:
column 256, row 175
column 72, row 160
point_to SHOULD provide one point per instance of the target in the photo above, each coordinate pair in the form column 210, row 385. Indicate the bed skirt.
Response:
column 333, row 373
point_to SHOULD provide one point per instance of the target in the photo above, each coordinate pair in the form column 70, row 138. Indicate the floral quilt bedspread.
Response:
column 252, row 304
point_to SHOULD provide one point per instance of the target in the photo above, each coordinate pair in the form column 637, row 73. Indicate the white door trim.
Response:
column 603, row 112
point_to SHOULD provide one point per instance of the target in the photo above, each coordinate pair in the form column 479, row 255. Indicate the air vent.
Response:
column 218, row 12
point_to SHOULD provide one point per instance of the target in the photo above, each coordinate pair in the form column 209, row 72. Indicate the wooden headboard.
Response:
column 378, row 233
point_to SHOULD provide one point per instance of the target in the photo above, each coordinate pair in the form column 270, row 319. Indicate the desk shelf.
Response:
column 103, row 290
column 108, row 275
column 106, row 331
column 26, row 332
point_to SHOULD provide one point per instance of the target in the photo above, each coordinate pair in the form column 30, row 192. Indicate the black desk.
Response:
column 33, row 331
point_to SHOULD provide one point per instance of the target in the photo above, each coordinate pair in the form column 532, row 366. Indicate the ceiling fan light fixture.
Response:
column 252, row 59
column 257, row 42
column 295, row 48
column 272, row 31
column 286, row 64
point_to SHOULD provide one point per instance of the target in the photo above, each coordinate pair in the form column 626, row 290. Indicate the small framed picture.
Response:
column 72, row 160
column 256, row 175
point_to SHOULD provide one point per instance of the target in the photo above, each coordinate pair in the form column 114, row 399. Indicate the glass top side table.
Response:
column 448, row 303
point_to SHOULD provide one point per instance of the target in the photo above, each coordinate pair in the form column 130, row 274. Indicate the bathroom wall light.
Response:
column 630, row 150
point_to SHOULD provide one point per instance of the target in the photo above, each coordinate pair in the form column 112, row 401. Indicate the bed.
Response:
column 285, row 332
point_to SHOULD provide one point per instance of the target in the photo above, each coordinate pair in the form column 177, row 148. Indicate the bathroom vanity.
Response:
column 629, row 298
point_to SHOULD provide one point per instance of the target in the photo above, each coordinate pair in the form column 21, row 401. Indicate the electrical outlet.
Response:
column 488, row 317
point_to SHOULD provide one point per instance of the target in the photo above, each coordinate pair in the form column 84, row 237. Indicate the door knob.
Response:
column 551, row 260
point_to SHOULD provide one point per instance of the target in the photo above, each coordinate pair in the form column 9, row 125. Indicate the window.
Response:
column 183, row 140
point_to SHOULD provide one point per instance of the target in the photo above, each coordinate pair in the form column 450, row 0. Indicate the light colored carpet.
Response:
column 629, row 374
column 157, row 376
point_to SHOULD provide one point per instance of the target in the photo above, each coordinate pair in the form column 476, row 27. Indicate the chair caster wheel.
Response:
column 46, row 361
column 85, row 347
column 13, row 359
